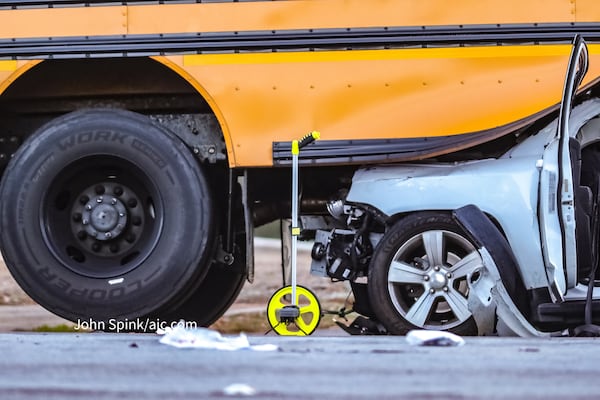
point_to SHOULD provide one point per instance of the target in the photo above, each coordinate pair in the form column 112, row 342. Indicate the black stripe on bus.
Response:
column 370, row 151
column 296, row 40
column 78, row 3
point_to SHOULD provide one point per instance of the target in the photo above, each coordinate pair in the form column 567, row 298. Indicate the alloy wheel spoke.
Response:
column 466, row 265
column 401, row 272
column 420, row 311
column 458, row 304
column 434, row 247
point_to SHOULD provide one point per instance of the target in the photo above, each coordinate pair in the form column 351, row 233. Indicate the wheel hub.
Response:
column 104, row 220
column 107, row 219
column 438, row 278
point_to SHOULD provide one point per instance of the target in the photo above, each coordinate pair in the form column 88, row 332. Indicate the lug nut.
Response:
column 99, row 189
column 99, row 200
column 118, row 191
column 113, row 201
column 88, row 207
column 448, row 275
column 85, row 222
column 445, row 289
column 436, row 268
column 432, row 291
column 108, row 235
column 426, row 278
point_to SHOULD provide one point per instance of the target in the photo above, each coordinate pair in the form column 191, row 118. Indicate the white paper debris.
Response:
column 204, row 338
column 239, row 389
column 433, row 338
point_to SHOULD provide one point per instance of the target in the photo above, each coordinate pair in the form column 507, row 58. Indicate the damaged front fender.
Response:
column 496, row 290
column 492, row 308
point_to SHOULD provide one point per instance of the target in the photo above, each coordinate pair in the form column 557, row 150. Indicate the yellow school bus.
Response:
column 142, row 141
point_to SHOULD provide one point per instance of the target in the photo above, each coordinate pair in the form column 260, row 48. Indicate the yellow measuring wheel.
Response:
column 300, row 315
column 299, row 318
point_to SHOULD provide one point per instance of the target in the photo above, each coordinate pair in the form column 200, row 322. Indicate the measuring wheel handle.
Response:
column 308, row 139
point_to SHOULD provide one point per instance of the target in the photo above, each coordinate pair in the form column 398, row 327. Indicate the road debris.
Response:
column 239, row 389
column 204, row 338
column 433, row 338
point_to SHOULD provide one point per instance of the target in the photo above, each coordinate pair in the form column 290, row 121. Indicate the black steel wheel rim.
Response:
column 102, row 216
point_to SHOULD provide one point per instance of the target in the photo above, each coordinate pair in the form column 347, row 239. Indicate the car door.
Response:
column 559, row 185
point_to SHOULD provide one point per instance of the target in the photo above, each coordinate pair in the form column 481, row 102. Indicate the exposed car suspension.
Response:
column 343, row 254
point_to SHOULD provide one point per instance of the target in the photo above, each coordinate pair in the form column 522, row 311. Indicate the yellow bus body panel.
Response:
column 269, row 97
column 292, row 14
column 314, row 14
column 260, row 98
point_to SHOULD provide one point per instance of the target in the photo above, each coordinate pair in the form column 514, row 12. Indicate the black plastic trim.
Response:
column 485, row 234
column 566, row 314
column 344, row 152
column 79, row 3
column 296, row 40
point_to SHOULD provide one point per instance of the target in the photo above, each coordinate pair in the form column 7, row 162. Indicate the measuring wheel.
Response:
column 299, row 318
column 294, row 310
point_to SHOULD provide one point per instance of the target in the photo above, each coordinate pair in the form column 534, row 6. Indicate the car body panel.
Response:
column 486, row 183
column 507, row 189
column 529, row 195
column 557, row 208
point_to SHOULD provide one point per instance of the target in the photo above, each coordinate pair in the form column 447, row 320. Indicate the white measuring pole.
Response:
column 296, row 146
column 295, row 227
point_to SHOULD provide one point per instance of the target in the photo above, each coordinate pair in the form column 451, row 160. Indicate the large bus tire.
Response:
column 217, row 292
column 105, row 215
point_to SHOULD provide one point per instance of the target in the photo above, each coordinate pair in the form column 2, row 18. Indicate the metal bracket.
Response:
column 222, row 256
column 201, row 132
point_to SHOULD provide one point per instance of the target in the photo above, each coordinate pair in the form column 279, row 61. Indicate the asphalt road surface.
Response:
column 129, row 366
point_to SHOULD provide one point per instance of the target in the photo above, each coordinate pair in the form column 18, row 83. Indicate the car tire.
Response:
column 418, row 275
